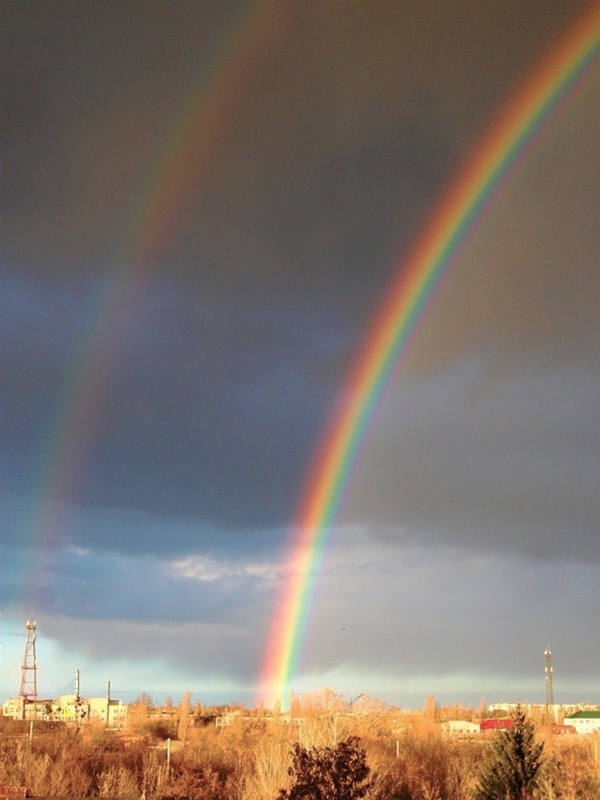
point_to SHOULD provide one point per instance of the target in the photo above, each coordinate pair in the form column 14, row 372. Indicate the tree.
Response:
column 328, row 773
column 430, row 710
column 184, row 714
column 511, row 770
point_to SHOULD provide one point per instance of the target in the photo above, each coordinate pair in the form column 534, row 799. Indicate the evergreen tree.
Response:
column 511, row 770
column 328, row 773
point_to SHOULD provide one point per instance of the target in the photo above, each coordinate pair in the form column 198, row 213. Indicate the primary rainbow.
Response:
column 499, row 154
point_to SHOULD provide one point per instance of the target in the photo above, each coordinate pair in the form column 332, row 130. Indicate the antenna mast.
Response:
column 28, row 688
column 548, row 671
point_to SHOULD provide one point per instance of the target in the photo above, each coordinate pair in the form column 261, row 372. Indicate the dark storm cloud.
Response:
column 340, row 135
column 338, row 139
column 192, row 423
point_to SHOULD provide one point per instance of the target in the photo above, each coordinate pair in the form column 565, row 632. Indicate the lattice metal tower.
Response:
column 548, row 671
column 28, row 688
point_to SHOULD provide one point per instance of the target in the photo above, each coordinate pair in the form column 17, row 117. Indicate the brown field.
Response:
column 232, row 754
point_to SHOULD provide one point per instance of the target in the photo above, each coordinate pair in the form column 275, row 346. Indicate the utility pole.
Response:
column 548, row 671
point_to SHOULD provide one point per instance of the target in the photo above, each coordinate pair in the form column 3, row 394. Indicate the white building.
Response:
column 69, row 708
column 460, row 727
column 584, row 721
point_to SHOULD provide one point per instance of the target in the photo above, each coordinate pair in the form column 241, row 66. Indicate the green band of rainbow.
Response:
column 499, row 153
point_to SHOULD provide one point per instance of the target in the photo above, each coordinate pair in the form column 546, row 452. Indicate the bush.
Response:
column 328, row 773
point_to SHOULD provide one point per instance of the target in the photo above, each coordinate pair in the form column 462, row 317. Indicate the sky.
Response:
column 202, row 206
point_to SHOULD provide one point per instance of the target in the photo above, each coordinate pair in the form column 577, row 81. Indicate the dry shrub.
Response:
column 154, row 776
column 270, row 763
column 428, row 768
column 572, row 772
column 208, row 767
column 118, row 781
column 191, row 780
column 43, row 774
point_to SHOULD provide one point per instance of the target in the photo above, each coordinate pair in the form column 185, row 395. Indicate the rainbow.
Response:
column 180, row 160
column 513, row 134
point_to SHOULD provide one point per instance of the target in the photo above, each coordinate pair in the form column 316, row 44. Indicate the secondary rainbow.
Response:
column 516, row 129
column 178, row 164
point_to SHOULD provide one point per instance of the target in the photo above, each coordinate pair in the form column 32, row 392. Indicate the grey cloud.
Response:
column 199, row 653
column 435, row 612
column 90, row 585
column 441, row 610
column 512, row 470
column 526, row 283
column 489, row 435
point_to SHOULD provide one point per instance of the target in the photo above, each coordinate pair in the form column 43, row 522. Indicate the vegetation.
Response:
column 319, row 752
column 328, row 773
column 511, row 770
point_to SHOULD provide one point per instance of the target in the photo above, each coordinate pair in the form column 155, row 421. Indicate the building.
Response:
column 69, row 708
column 496, row 724
column 584, row 721
column 460, row 727
column 112, row 713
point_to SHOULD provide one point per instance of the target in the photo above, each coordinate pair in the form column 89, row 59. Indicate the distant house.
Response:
column 562, row 730
column 584, row 721
column 14, row 707
column 460, row 727
column 224, row 720
column 496, row 724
